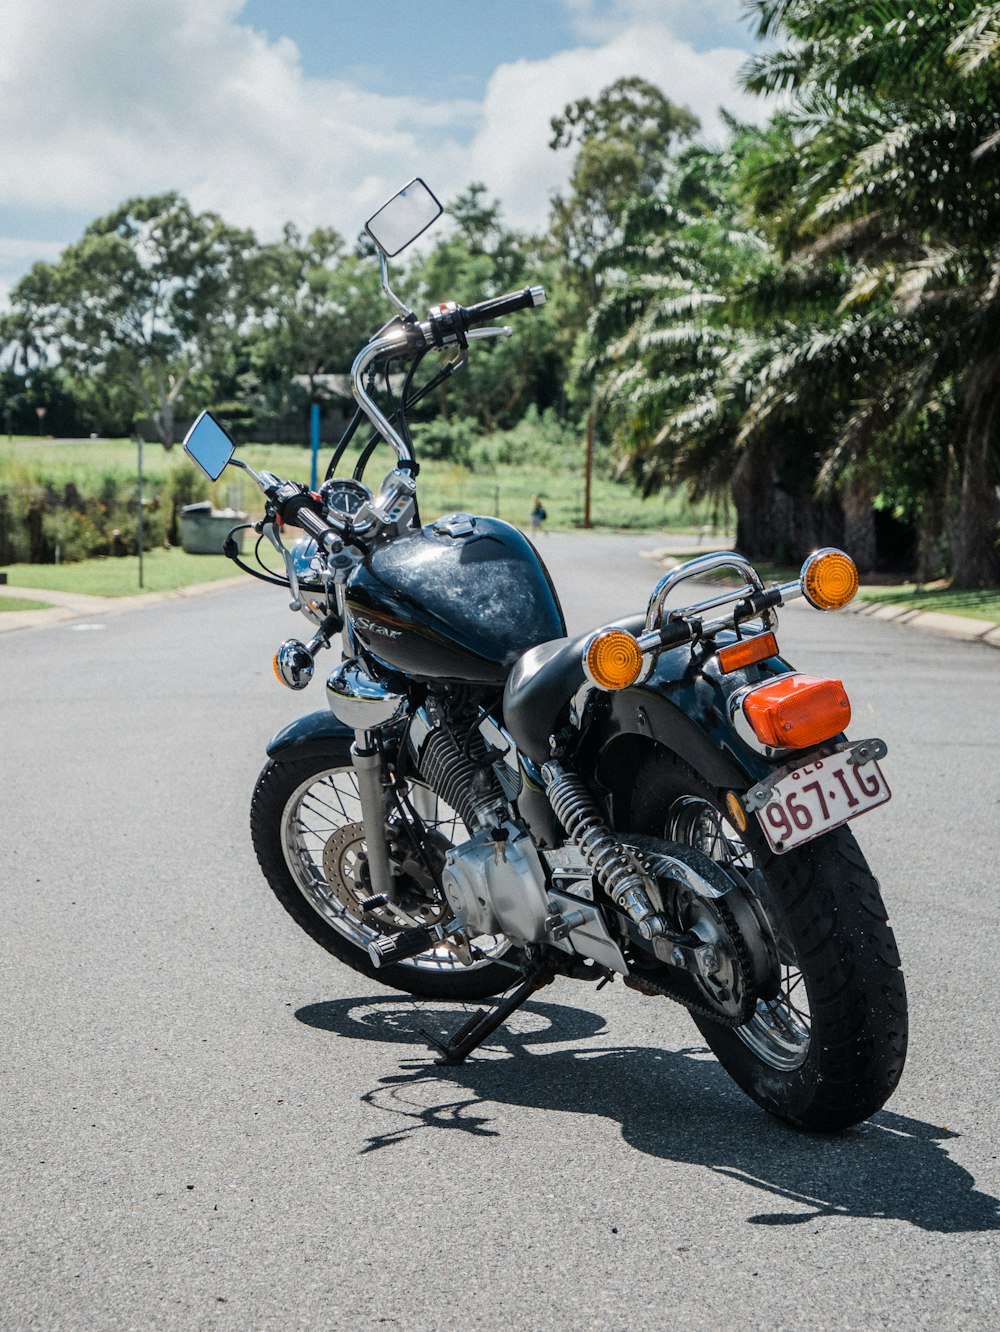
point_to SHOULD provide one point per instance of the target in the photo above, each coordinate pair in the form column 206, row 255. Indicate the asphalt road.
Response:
column 205, row 1122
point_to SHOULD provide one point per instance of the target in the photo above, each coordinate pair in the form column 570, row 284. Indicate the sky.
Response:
column 316, row 111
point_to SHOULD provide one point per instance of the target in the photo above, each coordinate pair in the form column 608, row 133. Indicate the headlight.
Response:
column 303, row 553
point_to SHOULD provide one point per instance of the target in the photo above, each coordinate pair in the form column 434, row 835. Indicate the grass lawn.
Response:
column 163, row 570
column 504, row 490
column 975, row 605
column 22, row 604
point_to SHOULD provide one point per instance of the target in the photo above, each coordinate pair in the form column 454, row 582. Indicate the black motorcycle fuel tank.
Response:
column 461, row 600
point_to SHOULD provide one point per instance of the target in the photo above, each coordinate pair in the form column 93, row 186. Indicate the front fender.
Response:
column 315, row 734
column 684, row 706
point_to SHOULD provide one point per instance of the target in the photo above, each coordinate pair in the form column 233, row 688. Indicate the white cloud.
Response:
column 511, row 151
column 114, row 98
column 705, row 23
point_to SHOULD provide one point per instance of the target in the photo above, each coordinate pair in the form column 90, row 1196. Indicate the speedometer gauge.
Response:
column 345, row 496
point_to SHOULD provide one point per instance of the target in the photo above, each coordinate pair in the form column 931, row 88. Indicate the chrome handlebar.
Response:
column 703, row 564
column 406, row 335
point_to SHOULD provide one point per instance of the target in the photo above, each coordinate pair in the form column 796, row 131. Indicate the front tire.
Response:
column 828, row 1050
column 305, row 820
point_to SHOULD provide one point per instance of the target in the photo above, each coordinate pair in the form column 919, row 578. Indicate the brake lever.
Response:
column 273, row 534
column 490, row 331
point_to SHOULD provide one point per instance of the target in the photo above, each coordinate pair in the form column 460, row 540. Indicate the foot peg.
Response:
column 398, row 947
column 392, row 948
column 375, row 903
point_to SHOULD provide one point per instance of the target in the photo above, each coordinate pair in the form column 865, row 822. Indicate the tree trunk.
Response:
column 932, row 535
column 753, row 488
column 976, row 552
column 164, row 421
column 772, row 523
column 859, row 523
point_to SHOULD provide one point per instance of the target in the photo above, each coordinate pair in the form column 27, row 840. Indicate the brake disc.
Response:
column 345, row 866
column 343, row 862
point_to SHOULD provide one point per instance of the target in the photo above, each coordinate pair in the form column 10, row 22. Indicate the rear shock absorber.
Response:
column 614, row 866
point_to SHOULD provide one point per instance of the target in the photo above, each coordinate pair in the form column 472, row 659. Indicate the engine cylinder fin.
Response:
column 463, row 778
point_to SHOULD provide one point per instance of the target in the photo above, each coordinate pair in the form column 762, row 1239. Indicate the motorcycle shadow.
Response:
column 678, row 1105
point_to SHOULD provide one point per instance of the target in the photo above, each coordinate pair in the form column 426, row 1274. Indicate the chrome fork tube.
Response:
column 367, row 760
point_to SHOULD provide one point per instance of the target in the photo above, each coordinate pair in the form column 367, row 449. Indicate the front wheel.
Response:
column 827, row 1050
column 305, row 819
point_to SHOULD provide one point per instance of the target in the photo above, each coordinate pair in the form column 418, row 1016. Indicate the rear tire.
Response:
column 322, row 792
column 832, row 1058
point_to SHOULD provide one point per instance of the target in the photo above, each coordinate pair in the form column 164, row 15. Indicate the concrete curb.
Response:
column 930, row 622
column 70, row 606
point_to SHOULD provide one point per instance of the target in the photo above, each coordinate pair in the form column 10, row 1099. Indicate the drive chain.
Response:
column 646, row 984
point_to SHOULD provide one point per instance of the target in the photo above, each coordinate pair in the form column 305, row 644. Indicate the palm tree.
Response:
column 693, row 310
column 896, row 126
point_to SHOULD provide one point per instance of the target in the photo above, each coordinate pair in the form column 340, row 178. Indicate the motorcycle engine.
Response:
column 453, row 759
column 495, row 883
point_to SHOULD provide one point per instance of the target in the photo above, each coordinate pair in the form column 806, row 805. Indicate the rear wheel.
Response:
column 305, row 819
column 827, row 1050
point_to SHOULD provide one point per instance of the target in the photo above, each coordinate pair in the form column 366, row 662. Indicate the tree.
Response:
column 480, row 258
column 896, row 116
column 144, row 301
column 674, row 351
column 623, row 141
column 314, row 306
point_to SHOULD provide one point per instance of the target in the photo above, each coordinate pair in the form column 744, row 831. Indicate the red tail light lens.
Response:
column 797, row 711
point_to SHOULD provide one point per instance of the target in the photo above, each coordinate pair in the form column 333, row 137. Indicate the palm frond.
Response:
column 977, row 43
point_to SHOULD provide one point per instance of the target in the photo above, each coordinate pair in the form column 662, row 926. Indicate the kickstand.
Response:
column 473, row 1032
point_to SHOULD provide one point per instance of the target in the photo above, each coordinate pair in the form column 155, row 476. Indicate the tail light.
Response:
column 797, row 711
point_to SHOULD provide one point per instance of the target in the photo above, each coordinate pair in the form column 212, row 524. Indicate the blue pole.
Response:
column 314, row 435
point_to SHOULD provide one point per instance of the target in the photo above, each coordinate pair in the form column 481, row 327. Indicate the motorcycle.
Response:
column 486, row 804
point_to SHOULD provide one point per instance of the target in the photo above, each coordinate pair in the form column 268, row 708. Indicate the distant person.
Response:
column 538, row 514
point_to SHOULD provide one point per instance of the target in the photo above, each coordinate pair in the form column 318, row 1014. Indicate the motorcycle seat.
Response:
column 542, row 684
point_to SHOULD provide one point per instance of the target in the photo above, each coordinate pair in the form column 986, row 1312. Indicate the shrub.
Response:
column 70, row 534
column 184, row 485
column 451, row 441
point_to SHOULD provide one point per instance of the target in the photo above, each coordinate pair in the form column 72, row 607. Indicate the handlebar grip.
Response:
column 503, row 305
column 299, row 511
column 316, row 526
column 675, row 632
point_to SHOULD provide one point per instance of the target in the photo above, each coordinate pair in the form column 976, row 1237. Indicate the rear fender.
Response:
column 683, row 707
column 314, row 735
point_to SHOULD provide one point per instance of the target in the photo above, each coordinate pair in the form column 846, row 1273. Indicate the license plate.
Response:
column 820, row 796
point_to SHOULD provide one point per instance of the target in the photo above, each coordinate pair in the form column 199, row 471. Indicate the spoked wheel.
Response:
column 305, row 820
column 779, row 1030
column 826, row 1049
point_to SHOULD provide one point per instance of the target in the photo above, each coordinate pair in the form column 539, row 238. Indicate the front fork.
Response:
column 367, row 759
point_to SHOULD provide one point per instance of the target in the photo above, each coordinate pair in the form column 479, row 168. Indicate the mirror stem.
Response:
column 236, row 462
column 383, row 265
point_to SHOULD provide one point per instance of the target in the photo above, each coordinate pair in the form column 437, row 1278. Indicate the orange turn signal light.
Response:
column 747, row 651
column 797, row 711
column 612, row 659
column 829, row 579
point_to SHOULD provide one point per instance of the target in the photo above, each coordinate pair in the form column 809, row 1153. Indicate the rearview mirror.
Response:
column 406, row 216
column 209, row 446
